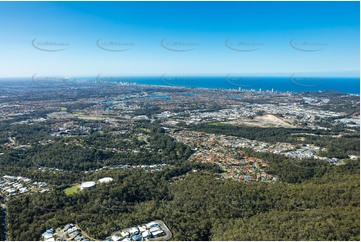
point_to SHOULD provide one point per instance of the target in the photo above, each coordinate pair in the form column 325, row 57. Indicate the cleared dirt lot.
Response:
column 264, row 121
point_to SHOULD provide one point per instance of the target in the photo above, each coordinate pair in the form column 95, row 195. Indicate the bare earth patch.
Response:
column 264, row 121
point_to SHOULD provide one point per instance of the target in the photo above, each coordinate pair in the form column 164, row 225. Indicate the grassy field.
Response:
column 71, row 190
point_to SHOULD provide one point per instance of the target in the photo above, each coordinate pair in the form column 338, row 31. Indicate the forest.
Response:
column 146, row 144
column 312, row 200
column 200, row 206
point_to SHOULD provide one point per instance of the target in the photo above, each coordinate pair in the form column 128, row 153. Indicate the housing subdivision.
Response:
column 16, row 185
column 69, row 232
column 154, row 230
column 226, row 152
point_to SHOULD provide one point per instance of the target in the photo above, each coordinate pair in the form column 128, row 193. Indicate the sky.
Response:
column 179, row 38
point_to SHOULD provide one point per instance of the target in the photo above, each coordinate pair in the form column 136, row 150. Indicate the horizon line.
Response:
column 283, row 75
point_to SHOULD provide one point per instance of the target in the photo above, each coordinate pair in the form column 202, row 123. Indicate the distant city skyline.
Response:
column 179, row 38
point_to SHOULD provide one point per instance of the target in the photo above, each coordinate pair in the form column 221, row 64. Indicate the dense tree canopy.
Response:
column 200, row 206
column 311, row 200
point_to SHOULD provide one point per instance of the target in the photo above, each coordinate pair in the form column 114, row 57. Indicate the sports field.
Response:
column 71, row 190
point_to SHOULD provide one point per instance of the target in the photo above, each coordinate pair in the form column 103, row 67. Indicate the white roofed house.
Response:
column 146, row 234
column 23, row 190
column 48, row 235
column 134, row 230
column 17, row 185
column 105, row 180
column 115, row 238
column 124, row 233
column 68, row 226
column 9, row 177
column 142, row 228
column 11, row 190
column 72, row 230
column 154, row 229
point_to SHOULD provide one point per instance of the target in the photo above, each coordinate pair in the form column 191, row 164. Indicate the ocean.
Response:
column 281, row 84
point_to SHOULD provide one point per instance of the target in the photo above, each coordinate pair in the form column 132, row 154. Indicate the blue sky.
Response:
column 185, row 38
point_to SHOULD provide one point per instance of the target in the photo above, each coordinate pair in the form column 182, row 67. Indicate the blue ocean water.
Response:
column 281, row 84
